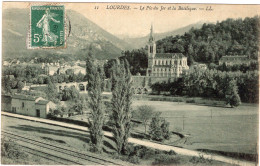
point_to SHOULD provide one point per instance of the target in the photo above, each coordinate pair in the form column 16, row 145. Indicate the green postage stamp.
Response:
column 47, row 27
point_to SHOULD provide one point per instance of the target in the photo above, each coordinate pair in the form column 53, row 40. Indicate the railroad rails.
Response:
column 58, row 154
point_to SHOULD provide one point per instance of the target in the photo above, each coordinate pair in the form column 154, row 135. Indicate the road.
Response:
column 146, row 143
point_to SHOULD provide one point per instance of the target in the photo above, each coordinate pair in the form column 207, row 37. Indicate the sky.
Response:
column 136, row 22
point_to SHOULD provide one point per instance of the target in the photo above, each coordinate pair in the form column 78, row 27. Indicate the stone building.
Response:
column 52, row 69
column 164, row 64
column 234, row 60
column 30, row 105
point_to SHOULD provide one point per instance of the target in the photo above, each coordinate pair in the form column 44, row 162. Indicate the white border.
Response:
column 150, row 1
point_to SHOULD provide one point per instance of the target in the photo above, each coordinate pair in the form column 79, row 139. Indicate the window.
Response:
column 151, row 49
column 14, row 109
column 22, row 104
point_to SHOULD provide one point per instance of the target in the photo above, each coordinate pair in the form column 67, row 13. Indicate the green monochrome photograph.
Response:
column 91, row 83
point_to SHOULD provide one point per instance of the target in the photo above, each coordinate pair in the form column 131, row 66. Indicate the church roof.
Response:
column 169, row 55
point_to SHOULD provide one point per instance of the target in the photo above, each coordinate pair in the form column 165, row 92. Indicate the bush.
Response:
column 159, row 128
column 146, row 153
column 11, row 150
column 171, row 152
column 134, row 159
column 200, row 159
column 165, row 159
column 190, row 101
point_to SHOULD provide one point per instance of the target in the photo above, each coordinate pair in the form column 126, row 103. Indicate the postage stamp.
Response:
column 47, row 27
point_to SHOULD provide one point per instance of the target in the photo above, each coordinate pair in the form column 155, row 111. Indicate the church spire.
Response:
column 151, row 34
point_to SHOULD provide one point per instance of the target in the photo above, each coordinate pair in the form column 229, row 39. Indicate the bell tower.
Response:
column 151, row 44
column 151, row 52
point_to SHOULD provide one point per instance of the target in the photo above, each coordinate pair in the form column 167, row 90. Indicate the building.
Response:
column 234, row 59
column 52, row 69
column 6, row 103
column 199, row 66
column 31, row 106
column 164, row 64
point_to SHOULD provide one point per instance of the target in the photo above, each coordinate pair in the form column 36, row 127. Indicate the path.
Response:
column 146, row 143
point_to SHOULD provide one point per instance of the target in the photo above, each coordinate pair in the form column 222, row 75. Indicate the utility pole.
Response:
column 211, row 113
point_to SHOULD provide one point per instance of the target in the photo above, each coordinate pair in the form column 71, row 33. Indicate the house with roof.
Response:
column 234, row 60
column 164, row 64
column 31, row 105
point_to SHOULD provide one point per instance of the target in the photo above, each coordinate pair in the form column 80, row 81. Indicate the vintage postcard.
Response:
column 129, row 84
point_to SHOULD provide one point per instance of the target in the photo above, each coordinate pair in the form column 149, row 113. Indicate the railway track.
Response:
column 59, row 154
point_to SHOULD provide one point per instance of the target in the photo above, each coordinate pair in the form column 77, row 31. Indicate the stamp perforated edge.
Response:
column 28, row 42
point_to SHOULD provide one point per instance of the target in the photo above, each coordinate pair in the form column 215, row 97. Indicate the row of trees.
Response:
column 121, row 114
column 23, row 72
column 34, row 74
column 214, row 84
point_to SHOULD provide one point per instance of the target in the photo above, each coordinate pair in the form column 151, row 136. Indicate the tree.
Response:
column 7, row 85
column 20, row 86
column 165, row 127
column 95, row 78
column 155, row 131
column 70, row 93
column 13, row 83
column 144, row 113
column 52, row 92
column 60, row 110
column 121, row 104
column 40, row 80
column 159, row 128
column 79, row 105
column 231, row 96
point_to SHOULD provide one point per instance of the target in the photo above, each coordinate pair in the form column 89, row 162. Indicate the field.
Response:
column 79, row 140
column 211, row 128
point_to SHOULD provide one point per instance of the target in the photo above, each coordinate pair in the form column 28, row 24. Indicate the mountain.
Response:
column 84, row 34
column 142, row 41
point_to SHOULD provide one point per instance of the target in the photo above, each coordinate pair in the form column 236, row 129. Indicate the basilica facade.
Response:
column 164, row 64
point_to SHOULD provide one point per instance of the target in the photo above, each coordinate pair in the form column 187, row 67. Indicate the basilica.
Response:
column 164, row 64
